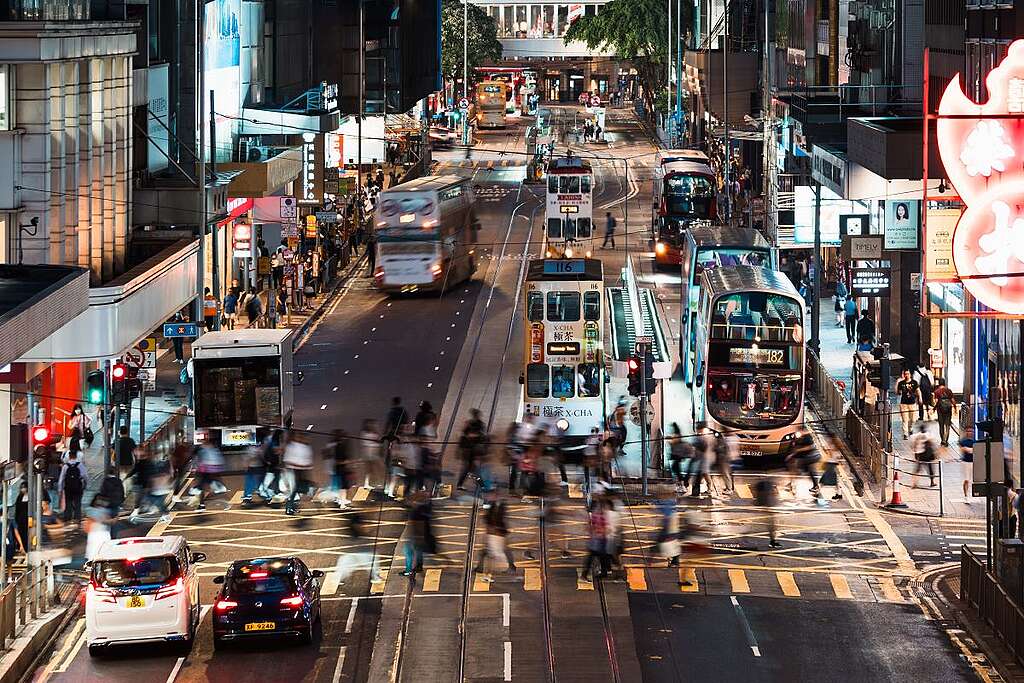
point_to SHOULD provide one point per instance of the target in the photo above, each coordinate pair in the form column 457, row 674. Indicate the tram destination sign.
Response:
column 869, row 281
column 563, row 348
column 564, row 267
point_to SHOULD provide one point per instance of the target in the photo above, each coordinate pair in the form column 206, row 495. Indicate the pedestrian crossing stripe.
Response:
column 575, row 491
column 481, row 583
column 360, row 495
column 788, row 584
column 841, row 586
column 738, row 581
column 583, row 584
column 889, row 590
column 432, row 581
column 743, row 491
column 688, row 580
column 377, row 587
column 635, row 577
column 531, row 579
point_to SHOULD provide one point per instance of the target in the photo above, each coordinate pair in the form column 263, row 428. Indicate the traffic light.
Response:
column 118, row 383
column 40, row 436
column 649, row 372
column 94, row 389
column 634, row 376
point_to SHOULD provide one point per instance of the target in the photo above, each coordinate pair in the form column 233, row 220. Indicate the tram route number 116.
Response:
column 564, row 267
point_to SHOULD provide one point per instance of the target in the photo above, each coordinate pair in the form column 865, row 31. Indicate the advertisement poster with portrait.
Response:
column 902, row 223
column 222, row 59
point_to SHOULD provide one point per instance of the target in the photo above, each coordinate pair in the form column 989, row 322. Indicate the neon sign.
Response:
column 982, row 149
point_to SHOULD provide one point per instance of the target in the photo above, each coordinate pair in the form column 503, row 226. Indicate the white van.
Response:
column 142, row 589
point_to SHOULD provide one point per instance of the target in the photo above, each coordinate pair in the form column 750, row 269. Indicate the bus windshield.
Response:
column 753, row 399
column 688, row 185
column 757, row 317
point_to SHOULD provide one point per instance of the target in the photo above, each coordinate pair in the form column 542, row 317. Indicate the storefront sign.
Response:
column 329, row 96
column 312, row 169
column 983, row 155
column 241, row 240
column 866, row 248
column 854, row 224
column 186, row 330
column 938, row 245
column 936, row 359
column 869, row 281
column 310, row 227
column 902, row 223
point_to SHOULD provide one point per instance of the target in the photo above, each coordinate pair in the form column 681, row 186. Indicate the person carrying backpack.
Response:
column 945, row 405
column 924, row 455
column 71, row 486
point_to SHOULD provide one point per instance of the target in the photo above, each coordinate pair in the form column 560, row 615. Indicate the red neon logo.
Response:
column 984, row 159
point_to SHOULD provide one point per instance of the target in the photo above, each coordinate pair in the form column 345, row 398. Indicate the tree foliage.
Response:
column 635, row 30
column 483, row 44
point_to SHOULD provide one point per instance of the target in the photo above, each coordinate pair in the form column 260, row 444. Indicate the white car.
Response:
column 142, row 589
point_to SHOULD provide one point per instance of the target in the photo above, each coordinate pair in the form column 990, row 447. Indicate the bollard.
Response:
column 897, row 499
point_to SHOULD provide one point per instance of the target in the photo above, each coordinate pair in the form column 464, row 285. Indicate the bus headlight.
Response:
column 589, row 254
column 562, row 424
column 660, row 248
column 568, row 252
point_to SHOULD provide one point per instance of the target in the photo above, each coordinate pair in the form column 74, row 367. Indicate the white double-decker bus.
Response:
column 426, row 231
column 749, row 378
column 569, row 208
column 564, row 375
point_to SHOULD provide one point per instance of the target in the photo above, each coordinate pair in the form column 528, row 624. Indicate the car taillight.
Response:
column 436, row 269
column 378, row 273
column 224, row 605
column 171, row 589
column 294, row 601
column 660, row 248
column 101, row 594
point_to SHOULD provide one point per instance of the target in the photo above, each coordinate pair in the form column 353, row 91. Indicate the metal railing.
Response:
column 863, row 439
column 980, row 589
column 27, row 597
column 162, row 441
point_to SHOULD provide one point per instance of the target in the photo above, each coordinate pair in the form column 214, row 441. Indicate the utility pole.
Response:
column 725, row 113
column 359, row 120
column 668, row 79
column 679, row 70
column 465, row 73
column 105, row 426
column 216, row 229
column 815, row 343
column 644, row 350
column 201, row 173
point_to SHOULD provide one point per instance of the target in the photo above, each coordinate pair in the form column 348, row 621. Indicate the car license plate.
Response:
column 135, row 601
column 260, row 626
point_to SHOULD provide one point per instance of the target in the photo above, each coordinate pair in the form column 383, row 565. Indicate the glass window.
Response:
column 555, row 228
column 549, row 21
column 553, row 184
column 563, row 306
column 588, row 379
column 5, row 97
column 592, row 305
column 585, row 184
column 508, row 25
column 563, row 19
column 521, row 21
column 562, row 381
column 569, row 183
column 583, row 228
column 570, row 228
column 537, row 380
column 753, row 401
column 143, row 572
column 535, row 307
column 590, row 10
column 536, row 21
column 757, row 315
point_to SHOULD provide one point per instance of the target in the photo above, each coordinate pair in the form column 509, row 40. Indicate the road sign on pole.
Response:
column 133, row 358
column 463, row 103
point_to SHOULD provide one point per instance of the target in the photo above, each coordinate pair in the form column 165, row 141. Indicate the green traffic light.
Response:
column 95, row 396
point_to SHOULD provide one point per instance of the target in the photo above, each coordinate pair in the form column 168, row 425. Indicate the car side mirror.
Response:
column 198, row 557
column 218, row 579
column 317, row 574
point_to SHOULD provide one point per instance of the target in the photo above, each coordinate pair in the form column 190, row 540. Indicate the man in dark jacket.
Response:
column 865, row 328
column 124, row 449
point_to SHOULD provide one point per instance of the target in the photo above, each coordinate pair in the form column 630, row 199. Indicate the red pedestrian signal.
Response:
column 118, row 372
column 40, row 436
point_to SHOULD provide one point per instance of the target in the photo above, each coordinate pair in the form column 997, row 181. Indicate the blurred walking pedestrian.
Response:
column 597, row 541
column 72, row 482
column 945, row 406
column 298, row 458
column 374, row 473
column 766, row 495
column 680, row 453
column 210, row 465
column 419, row 533
column 923, row 448
column 338, row 459
column 471, row 446
column 803, row 457
column 668, row 534
column 496, row 553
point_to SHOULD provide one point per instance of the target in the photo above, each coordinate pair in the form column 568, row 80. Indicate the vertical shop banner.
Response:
column 902, row 224
column 222, row 66
column 938, row 245
column 157, row 122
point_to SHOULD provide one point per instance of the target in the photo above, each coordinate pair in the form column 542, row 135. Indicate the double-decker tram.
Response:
column 568, row 217
column 750, row 371
column 564, row 375
column 706, row 248
column 684, row 195
column 490, row 104
column 426, row 231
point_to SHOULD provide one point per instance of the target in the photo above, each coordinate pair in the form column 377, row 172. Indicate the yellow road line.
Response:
column 399, row 491
column 479, row 584
column 377, row 587
column 743, row 490
column 575, row 491
column 531, row 579
column 61, row 662
column 361, row 495
column 899, row 551
column 236, row 499
column 636, row 579
column 788, row 584
column 432, row 581
column 738, row 580
column 889, row 590
column 688, row 580
column 840, row 586
column 581, row 583
column 160, row 527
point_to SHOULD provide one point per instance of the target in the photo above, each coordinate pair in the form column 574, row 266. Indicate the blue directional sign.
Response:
column 181, row 330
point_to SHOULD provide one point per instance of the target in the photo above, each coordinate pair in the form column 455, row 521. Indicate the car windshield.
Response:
column 260, row 581
column 147, row 571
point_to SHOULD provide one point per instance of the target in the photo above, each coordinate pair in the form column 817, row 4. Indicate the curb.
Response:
column 36, row 649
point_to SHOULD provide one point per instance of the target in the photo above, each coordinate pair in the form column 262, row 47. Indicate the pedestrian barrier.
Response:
column 163, row 439
column 27, row 597
column 980, row 589
column 863, row 439
column 827, row 387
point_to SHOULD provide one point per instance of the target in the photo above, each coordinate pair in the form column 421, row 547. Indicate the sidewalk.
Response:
column 837, row 357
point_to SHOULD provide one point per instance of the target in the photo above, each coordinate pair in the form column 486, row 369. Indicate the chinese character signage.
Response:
column 983, row 153
column 938, row 245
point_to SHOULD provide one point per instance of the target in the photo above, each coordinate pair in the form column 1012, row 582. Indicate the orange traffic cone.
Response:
column 897, row 499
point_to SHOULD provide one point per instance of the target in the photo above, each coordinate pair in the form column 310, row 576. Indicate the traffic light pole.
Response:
column 106, row 417
column 645, row 452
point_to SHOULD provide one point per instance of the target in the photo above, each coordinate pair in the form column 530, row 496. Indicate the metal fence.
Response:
column 27, row 597
column 980, row 589
column 162, row 441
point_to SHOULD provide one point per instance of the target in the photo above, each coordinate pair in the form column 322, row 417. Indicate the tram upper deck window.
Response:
column 585, row 184
column 555, row 228
column 588, row 380
column 757, row 316
column 563, row 307
column 535, row 307
column 569, row 184
column 553, row 184
column 591, row 305
column 537, row 380
column 710, row 258
column 562, row 381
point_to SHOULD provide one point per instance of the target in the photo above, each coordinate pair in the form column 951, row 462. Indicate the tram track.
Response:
column 467, row 579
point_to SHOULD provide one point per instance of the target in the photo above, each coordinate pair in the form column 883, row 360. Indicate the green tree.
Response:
column 483, row 44
column 635, row 30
